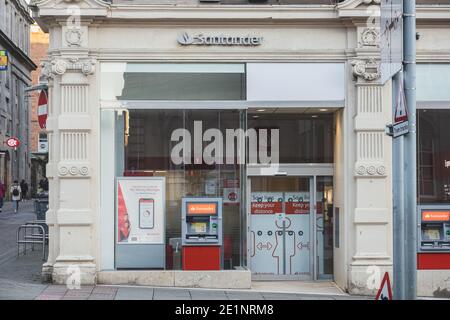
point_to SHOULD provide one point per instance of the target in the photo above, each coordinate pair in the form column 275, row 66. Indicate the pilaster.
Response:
column 372, row 216
column 71, row 70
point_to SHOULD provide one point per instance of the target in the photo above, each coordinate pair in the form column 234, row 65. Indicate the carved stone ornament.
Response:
column 372, row 1
column 61, row 66
column 369, row 69
column 46, row 69
column 370, row 37
column 74, row 37
column 73, row 170
column 370, row 170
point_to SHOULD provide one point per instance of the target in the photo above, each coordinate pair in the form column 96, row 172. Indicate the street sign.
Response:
column 42, row 109
column 391, row 38
column 385, row 291
column 13, row 142
column 401, row 124
column 3, row 60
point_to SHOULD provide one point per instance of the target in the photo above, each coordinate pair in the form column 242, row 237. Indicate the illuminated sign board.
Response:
column 435, row 215
column 3, row 60
column 206, row 208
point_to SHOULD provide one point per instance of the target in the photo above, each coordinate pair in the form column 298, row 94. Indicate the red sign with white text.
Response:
column 266, row 207
column 13, row 142
column 297, row 207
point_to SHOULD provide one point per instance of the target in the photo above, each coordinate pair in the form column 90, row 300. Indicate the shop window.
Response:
column 138, row 81
column 145, row 136
column 433, row 151
column 303, row 138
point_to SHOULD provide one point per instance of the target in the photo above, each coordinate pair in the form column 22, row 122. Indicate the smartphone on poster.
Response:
column 146, row 213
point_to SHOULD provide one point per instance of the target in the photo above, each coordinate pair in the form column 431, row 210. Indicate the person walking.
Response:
column 24, row 188
column 16, row 192
column 2, row 195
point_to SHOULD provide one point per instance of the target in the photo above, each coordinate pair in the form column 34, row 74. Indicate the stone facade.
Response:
column 341, row 33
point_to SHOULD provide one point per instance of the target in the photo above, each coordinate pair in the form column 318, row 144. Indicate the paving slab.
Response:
column 134, row 293
column 233, row 295
column 208, row 295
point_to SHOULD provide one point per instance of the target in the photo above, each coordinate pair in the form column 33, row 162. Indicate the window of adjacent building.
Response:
column 433, row 150
column 8, row 18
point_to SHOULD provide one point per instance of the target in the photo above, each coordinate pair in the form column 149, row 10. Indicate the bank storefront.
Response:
column 190, row 151
column 180, row 122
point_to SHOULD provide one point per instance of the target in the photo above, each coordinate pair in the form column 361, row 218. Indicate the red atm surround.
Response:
column 433, row 261
column 201, row 258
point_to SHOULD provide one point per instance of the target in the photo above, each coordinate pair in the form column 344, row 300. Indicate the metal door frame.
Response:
column 310, row 171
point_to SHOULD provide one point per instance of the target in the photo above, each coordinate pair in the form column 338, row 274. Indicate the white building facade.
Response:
column 124, row 76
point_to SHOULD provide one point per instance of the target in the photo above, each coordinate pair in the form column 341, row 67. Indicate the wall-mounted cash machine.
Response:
column 201, row 233
column 434, row 237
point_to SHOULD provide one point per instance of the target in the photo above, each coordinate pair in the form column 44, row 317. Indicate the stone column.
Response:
column 71, row 204
column 372, row 218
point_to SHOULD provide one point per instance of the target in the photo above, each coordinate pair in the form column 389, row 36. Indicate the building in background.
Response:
column 15, row 24
column 38, row 137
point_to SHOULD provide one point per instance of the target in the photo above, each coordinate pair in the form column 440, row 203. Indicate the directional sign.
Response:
column 391, row 38
column 385, row 291
column 42, row 109
column 401, row 124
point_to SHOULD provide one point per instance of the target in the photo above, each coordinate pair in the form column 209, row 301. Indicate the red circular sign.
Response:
column 42, row 109
column 13, row 142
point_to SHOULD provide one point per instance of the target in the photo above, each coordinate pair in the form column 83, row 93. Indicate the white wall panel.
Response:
column 295, row 81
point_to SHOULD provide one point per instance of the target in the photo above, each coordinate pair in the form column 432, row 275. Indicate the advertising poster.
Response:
column 140, row 210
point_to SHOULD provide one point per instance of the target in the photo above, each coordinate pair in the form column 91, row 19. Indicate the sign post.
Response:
column 398, row 15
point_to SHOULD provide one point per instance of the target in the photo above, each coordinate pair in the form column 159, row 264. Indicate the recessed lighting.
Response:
column 314, row 116
column 323, row 110
column 261, row 110
column 255, row 117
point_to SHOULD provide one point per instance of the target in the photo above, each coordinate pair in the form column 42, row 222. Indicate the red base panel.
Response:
column 201, row 258
column 433, row 261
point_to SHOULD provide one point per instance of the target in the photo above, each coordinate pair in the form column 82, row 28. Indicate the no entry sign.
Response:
column 42, row 109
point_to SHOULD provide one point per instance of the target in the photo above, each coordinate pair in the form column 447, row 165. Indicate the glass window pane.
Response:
column 148, row 146
column 303, row 139
column 324, row 225
column 433, row 153
column 137, row 81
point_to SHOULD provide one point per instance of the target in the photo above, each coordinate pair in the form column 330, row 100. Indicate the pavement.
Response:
column 20, row 278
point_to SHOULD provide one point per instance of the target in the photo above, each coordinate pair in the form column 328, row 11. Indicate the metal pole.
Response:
column 398, row 201
column 410, row 163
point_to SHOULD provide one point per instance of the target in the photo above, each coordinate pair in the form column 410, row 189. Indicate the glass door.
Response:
column 281, row 224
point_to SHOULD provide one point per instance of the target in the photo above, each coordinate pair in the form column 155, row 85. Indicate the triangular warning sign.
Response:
column 385, row 291
column 401, row 109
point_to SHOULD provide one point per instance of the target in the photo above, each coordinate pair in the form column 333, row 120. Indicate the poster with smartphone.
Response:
column 140, row 210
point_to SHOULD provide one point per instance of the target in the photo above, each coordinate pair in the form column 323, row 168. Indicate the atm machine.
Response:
column 434, row 237
column 201, row 233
